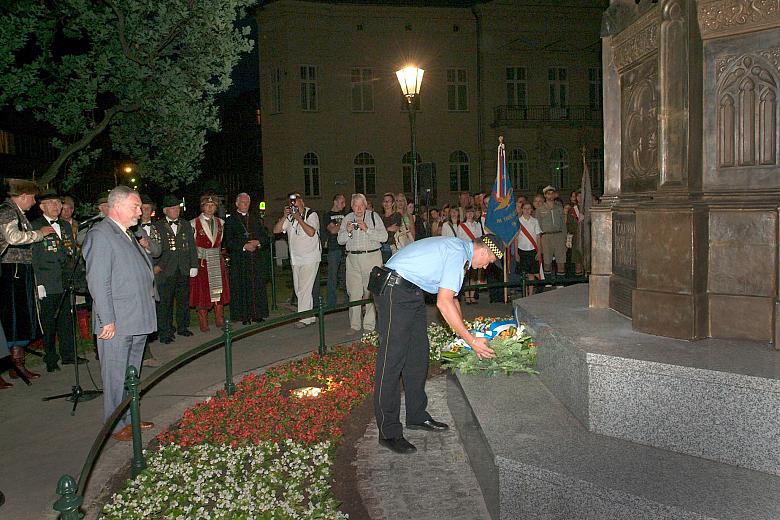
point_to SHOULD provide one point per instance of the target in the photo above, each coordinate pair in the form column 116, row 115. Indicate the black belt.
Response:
column 396, row 280
column 362, row 252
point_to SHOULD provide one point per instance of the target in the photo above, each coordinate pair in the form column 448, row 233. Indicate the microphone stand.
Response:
column 76, row 393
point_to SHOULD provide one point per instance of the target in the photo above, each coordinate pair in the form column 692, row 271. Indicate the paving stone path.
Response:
column 435, row 483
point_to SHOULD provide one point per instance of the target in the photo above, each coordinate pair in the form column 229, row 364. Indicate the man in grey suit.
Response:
column 121, row 282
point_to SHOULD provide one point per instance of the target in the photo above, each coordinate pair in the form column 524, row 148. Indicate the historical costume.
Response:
column 249, row 245
column 210, row 286
column 50, row 263
column 175, row 265
column 19, row 311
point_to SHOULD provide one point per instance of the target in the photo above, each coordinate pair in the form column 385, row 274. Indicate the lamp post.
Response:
column 410, row 79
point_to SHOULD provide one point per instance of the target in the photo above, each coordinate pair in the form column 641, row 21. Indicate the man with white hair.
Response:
column 121, row 282
column 362, row 233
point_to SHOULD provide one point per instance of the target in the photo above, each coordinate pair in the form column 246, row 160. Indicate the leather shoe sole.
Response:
column 429, row 425
column 398, row 445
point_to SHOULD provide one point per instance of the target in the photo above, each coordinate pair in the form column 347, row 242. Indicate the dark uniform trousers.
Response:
column 61, row 328
column 403, row 354
column 173, row 287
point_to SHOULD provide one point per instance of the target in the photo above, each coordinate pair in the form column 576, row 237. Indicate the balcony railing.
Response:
column 513, row 115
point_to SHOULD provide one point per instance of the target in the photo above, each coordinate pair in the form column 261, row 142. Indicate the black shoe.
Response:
column 53, row 368
column 246, row 322
column 80, row 360
column 184, row 332
column 166, row 340
column 429, row 425
column 398, row 445
column 259, row 320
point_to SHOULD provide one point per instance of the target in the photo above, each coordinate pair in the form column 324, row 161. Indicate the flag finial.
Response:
column 500, row 139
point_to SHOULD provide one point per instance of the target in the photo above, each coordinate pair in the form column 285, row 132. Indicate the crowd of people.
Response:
column 187, row 268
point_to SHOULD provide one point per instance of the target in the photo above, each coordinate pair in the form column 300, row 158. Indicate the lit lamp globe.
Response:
column 410, row 79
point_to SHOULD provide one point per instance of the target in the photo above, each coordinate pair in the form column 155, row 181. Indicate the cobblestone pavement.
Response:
column 435, row 483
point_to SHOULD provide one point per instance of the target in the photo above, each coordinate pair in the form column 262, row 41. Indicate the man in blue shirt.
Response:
column 435, row 265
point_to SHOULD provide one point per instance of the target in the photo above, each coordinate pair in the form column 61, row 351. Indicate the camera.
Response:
column 293, row 207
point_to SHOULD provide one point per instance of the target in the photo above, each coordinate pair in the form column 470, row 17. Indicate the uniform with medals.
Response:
column 50, row 263
column 173, row 268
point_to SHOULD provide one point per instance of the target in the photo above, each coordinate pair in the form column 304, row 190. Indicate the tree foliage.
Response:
column 147, row 71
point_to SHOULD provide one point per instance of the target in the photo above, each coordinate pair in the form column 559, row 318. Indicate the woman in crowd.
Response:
column 450, row 227
column 407, row 219
column 392, row 221
column 470, row 230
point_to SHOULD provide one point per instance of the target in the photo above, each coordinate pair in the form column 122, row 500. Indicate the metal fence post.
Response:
column 230, row 387
column 69, row 502
column 321, row 320
column 131, row 384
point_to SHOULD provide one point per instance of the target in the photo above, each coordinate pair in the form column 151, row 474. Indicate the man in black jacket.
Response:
column 50, row 257
column 178, row 261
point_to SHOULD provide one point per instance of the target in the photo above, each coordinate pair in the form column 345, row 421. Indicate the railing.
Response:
column 71, row 493
column 508, row 115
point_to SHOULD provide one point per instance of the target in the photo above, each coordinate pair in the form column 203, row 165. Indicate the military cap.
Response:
column 48, row 195
column 495, row 244
column 548, row 188
column 102, row 198
column 146, row 199
column 170, row 201
column 209, row 199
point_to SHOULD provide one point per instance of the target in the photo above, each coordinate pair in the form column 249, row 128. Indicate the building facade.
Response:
column 334, row 120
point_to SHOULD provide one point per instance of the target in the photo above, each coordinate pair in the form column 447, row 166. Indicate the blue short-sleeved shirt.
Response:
column 433, row 263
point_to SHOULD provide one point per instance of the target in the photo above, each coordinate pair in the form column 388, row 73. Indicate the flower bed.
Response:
column 259, row 453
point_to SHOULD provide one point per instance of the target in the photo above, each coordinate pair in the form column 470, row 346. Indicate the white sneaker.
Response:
column 301, row 325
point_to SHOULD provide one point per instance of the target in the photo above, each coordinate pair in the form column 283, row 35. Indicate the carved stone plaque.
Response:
column 639, row 128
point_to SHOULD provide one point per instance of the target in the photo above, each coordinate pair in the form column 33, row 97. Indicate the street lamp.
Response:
column 410, row 79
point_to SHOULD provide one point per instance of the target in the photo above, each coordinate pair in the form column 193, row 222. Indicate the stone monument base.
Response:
column 622, row 424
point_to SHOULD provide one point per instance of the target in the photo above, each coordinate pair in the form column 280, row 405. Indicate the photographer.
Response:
column 301, row 225
column 362, row 232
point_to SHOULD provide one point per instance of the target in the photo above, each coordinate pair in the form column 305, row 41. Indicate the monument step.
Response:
column 715, row 399
column 535, row 461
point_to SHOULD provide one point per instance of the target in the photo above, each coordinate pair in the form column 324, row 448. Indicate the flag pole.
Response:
column 506, row 274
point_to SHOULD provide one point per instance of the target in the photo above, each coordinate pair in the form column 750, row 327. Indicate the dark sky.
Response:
column 245, row 75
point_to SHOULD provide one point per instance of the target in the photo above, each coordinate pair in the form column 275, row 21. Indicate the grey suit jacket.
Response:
column 120, row 280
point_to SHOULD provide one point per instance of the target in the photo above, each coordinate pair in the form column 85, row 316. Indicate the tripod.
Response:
column 76, row 394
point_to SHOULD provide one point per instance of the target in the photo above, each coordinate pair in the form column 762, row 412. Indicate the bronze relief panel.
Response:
column 639, row 127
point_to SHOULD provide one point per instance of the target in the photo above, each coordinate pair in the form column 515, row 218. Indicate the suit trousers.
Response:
column 173, row 288
column 304, row 277
column 403, row 355
column 116, row 355
column 61, row 328
column 358, row 270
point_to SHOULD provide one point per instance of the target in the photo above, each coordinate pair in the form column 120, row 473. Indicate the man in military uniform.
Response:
column 50, row 259
column 147, row 237
column 178, row 261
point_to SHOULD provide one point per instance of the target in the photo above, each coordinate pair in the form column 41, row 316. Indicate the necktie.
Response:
column 211, row 226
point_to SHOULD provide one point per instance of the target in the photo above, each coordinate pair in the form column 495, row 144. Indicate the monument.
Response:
column 630, row 417
column 686, row 240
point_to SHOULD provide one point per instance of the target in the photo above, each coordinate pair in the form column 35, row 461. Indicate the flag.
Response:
column 501, row 218
column 584, row 225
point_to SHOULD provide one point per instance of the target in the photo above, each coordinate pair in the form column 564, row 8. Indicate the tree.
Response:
column 146, row 71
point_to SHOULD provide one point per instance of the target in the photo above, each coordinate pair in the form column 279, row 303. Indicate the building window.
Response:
column 406, row 169
column 559, row 165
column 459, row 171
column 276, row 90
column 594, row 80
column 7, row 143
column 457, row 90
column 559, row 86
column 311, row 175
column 362, row 89
column 597, row 170
column 309, row 100
column 516, row 86
column 365, row 174
column 518, row 169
